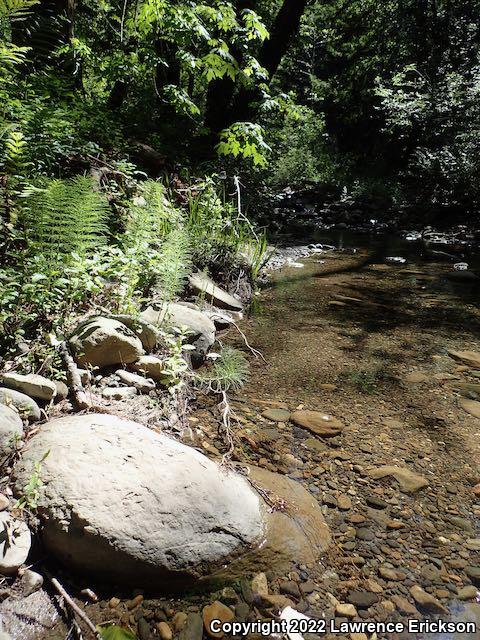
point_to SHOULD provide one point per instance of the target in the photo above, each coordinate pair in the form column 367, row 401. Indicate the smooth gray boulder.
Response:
column 11, row 430
column 26, row 406
column 101, row 342
column 31, row 385
column 123, row 502
column 207, row 289
column 201, row 328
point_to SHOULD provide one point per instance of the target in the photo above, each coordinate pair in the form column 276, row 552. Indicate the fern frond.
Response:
column 151, row 218
column 15, row 9
column 174, row 264
column 66, row 216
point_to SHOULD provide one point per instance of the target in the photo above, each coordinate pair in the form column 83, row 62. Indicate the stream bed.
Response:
column 367, row 344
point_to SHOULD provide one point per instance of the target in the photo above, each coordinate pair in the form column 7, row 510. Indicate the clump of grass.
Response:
column 367, row 381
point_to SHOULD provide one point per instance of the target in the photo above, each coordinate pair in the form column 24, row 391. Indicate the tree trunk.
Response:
column 284, row 27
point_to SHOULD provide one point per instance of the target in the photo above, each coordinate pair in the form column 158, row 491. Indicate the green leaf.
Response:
column 115, row 633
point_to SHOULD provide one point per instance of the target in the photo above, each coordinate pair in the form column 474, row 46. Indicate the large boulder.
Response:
column 124, row 502
column 11, row 429
column 200, row 327
column 207, row 288
column 26, row 406
column 31, row 385
column 102, row 342
column 148, row 334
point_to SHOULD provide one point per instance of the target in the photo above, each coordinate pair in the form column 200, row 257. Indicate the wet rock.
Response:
column 467, row 593
column 318, row 423
column 11, row 430
column 375, row 502
column 164, row 631
column 409, row 481
column 31, row 385
column 15, row 541
column 193, row 628
column 276, row 415
column 404, row 606
column 470, row 358
column 346, row 610
column 201, row 328
column 416, row 377
column 362, row 599
column 474, row 574
column 101, row 342
column 26, row 406
column 260, row 584
column 134, row 380
column 205, row 286
column 470, row 406
column 179, row 620
column 216, row 611
column 426, row 601
column 290, row 588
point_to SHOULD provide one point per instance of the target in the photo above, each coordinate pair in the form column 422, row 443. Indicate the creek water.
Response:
column 343, row 336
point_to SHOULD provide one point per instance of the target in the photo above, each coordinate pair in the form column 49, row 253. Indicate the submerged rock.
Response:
column 31, row 384
column 470, row 358
column 408, row 480
column 318, row 423
column 101, row 342
column 129, row 504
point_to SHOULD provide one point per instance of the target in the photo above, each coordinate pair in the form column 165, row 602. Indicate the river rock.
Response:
column 102, row 342
column 31, row 385
column 193, row 628
column 26, row 406
column 426, row 601
column 470, row 406
column 470, row 358
column 148, row 334
column 276, row 415
column 409, row 481
column 151, row 366
column 467, row 593
column 201, row 328
column 15, row 544
column 134, row 380
column 207, row 288
column 118, row 497
column 216, row 611
column 11, row 429
column 318, row 423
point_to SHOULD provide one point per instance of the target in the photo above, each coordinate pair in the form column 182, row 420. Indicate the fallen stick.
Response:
column 79, row 397
column 75, row 608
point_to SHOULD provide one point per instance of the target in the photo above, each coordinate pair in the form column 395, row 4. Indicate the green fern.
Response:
column 174, row 264
column 227, row 373
column 15, row 150
column 15, row 9
column 67, row 216
column 150, row 218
